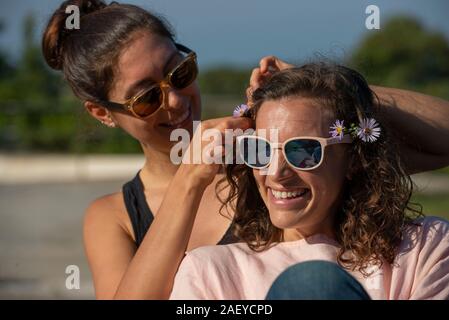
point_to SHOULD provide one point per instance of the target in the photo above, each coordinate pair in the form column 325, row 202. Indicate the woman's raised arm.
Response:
column 420, row 124
column 149, row 272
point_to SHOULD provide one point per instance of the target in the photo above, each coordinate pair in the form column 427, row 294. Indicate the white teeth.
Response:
column 181, row 119
column 288, row 194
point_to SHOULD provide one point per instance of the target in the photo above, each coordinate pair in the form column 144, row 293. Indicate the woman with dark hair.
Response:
column 125, row 66
column 334, row 189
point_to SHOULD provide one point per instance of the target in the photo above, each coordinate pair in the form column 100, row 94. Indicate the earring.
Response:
column 110, row 123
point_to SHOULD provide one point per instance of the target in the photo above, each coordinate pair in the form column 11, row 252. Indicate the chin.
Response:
column 286, row 219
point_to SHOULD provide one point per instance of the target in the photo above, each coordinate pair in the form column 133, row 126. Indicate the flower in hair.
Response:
column 240, row 110
column 368, row 130
column 338, row 129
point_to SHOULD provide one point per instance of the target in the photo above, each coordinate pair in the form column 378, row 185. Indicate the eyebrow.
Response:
column 140, row 84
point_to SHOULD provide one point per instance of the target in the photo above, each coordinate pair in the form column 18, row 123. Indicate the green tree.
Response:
column 40, row 113
column 27, row 96
column 221, row 89
column 32, row 72
column 405, row 54
column 5, row 68
column 224, row 81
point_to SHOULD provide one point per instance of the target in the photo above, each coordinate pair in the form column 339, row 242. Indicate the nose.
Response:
column 279, row 168
column 174, row 100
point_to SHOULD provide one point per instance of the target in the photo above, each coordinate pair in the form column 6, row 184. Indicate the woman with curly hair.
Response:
column 328, row 213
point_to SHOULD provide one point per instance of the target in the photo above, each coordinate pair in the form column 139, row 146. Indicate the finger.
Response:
column 271, row 64
column 282, row 65
column 237, row 123
column 255, row 79
column 267, row 62
column 229, row 123
column 212, row 153
column 249, row 96
column 218, row 153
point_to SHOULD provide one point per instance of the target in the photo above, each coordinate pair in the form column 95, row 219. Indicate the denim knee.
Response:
column 320, row 280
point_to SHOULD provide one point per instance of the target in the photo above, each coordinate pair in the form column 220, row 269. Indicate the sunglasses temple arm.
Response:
column 112, row 105
column 182, row 48
column 346, row 139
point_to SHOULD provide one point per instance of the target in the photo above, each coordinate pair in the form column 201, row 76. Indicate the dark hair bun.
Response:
column 56, row 31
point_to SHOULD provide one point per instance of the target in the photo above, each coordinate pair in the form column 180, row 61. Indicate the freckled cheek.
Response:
column 193, row 90
column 326, row 191
column 195, row 87
column 316, row 185
column 319, row 184
column 126, row 121
column 331, row 174
column 141, row 130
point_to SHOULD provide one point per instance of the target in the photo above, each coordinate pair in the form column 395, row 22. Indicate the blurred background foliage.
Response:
column 405, row 55
column 38, row 112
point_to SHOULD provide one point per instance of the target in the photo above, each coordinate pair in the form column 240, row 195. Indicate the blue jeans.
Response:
column 316, row 280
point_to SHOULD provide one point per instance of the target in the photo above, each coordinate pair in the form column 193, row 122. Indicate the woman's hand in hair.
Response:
column 207, row 149
column 267, row 67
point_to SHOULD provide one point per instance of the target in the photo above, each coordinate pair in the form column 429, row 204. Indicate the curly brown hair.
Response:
column 375, row 206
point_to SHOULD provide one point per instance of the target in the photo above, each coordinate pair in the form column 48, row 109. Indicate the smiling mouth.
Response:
column 179, row 121
column 279, row 195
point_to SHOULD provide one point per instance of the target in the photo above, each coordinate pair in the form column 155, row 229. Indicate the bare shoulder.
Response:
column 108, row 211
column 108, row 242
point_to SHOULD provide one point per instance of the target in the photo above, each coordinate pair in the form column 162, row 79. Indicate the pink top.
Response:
column 420, row 271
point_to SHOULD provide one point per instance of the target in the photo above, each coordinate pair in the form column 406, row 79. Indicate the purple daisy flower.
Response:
column 368, row 130
column 338, row 129
column 240, row 110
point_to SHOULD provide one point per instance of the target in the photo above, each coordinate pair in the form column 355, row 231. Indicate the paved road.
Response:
column 41, row 234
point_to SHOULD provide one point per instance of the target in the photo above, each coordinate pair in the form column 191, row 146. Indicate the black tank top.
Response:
column 141, row 216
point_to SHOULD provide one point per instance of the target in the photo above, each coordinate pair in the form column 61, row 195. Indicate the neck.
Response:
column 158, row 168
column 325, row 227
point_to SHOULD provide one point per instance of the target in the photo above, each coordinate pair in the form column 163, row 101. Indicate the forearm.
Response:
column 420, row 125
column 151, row 272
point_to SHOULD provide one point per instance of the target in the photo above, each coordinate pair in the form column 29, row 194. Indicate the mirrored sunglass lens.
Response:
column 255, row 152
column 303, row 153
column 185, row 74
column 148, row 103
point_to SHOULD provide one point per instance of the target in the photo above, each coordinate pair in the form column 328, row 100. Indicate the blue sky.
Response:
column 239, row 32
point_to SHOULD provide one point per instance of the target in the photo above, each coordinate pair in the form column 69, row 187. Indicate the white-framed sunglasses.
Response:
column 302, row 153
